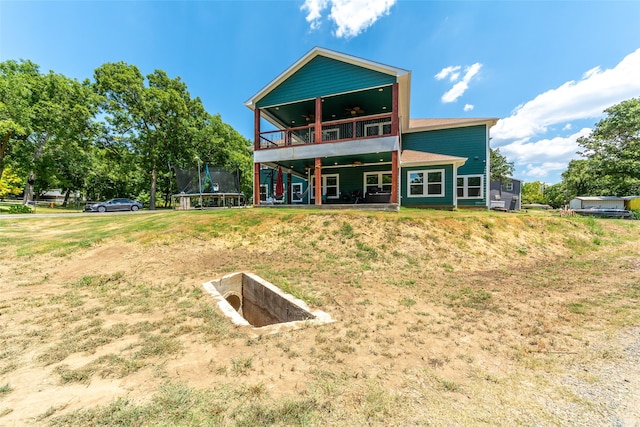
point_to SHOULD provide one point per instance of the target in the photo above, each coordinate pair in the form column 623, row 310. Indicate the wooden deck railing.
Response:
column 334, row 131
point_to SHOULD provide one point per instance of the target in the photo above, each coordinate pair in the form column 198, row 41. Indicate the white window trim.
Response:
column 264, row 189
column 296, row 187
column 379, row 174
column 426, row 173
column 508, row 186
column 465, row 186
column 312, row 182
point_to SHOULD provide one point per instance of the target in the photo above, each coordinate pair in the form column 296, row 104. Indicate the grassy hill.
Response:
column 441, row 318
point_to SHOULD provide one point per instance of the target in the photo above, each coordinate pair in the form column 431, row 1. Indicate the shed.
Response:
column 506, row 195
column 597, row 202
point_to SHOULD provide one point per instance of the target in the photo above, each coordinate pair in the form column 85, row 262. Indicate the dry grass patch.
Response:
column 442, row 318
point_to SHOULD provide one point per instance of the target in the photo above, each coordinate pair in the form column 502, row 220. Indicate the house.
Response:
column 506, row 195
column 338, row 128
column 597, row 202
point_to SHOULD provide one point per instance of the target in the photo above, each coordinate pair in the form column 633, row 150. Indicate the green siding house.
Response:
column 336, row 129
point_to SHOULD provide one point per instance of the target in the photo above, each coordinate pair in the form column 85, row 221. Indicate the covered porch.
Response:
column 330, row 177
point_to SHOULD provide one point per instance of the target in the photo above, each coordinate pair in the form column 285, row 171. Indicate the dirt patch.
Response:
column 498, row 318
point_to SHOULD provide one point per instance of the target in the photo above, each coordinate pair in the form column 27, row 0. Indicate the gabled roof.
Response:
column 421, row 158
column 417, row 125
column 403, row 77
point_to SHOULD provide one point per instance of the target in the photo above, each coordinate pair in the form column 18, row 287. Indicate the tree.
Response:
column 555, row 195
column 220, row 144
column 581, row 178
column 613, row 148
column 158, row 121
column 501, row 170
column 533, row 192
column 19, row 83
column 62, row 120
column 161, row 125
column 10, row 183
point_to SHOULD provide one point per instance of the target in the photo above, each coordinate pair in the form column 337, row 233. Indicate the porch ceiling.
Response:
column 338, row 107
column 300, row 167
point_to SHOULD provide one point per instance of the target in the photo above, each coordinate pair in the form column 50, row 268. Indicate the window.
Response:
column 296, row 190
column 375, row 182
column 508, row 186
column 470, row 186
column 427, row 183
column 330, row 186
column 264, row 189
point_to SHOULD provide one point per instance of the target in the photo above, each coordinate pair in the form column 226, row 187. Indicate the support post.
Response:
column 395, row 125
column 256, row 129
column 318, row 121
column 318, row 180
column 256, row 184
column 256, row 166
column 395, row 172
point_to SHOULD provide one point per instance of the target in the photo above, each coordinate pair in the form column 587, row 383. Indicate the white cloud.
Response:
column 451, row 72
column 584, row 99
column 568, row 126
column 351, row 16
column 543, row 158
column 468, row 107
column 314, row 7
column 545, row 150
column 461, row 87
column 591, row 72
column 541, row 171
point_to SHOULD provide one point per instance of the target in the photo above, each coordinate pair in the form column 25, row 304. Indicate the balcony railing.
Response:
column 335, row 131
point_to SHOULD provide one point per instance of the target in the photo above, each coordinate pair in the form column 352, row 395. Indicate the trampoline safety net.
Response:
column 213, row 179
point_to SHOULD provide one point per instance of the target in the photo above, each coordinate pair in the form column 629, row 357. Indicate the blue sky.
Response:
column 546, row 69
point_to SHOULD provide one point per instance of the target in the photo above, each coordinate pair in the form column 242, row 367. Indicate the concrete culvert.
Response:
column 235, row 301
column 249, row 300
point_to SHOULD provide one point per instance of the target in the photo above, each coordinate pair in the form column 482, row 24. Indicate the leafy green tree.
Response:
column 62, row 118
column 501, row 170
column 582, row 178
column 220, row 144
column 19, row 86
column 613, row 149
column 73, row 162
column 158, row 121
column 533, row 192
column 555, row 195
column 114, row 172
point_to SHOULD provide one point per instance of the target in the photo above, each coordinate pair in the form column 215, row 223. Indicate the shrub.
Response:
column 20, row 209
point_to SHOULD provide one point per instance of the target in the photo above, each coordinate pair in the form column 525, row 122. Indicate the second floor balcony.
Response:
column 365, row 127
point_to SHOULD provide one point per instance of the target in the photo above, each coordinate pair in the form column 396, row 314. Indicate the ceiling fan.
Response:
column 309, row 117
column 355, row 111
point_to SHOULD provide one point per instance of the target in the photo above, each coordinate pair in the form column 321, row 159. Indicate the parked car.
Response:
column 113, row 205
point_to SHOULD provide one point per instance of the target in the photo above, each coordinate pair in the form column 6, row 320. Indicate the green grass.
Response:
column 5, row 389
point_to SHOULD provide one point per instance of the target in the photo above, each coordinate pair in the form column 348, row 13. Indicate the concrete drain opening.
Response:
column 249, row 300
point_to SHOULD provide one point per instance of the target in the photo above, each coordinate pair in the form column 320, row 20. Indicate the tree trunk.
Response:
column 31, row 180
column 66, row 197
column 152, row 193
column 28, row 189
